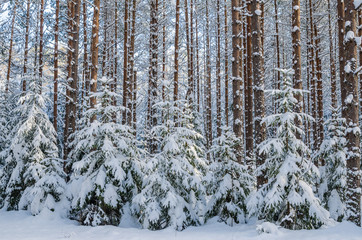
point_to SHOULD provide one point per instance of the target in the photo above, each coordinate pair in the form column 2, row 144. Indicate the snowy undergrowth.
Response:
column 50, row 225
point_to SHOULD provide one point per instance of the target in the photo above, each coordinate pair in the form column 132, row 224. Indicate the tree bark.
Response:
column 248, row 88
column 236, row 66
column 259, row 99
column 153, row 71
column 208, row 107
column 218, row 71
column 95, row 55
column 297, row 59
column 125, row 62
column 56, row 65
column 351, row 114
column 10, row 49
column 26, row 49
column 226, row 56
column 331, row 57
column 176, row 63
column 41, row 39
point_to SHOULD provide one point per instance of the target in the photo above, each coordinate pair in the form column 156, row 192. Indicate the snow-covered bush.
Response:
column 32, row 174
column 287, row 198
column 173, row 193
column 105, row 162
column 334, row 179
column 230, row 182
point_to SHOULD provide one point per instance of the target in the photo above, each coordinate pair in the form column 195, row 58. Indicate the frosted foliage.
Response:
column 173, row 193
column 230, row 183
column 287, row 198
column 334, row 178
column 105, row 162
column 32, row 173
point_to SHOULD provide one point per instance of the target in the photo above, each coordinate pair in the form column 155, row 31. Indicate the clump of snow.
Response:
column 268, row 227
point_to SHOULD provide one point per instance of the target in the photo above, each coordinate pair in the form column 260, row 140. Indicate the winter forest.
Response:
column 176, row 112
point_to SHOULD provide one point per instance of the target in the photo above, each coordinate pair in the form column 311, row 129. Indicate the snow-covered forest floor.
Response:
column 21, row 225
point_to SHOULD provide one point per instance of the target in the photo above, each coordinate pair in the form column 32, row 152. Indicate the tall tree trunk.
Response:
column 248, row 88
column 164, row 51
column 208, row 106
column 132, row 65
column 56, row 66
column 189, row 94
column 218, row 71
column 341, row 57
column 351, row 114
column 197, row 60
column 320, row 120
column 176, row 64
column 226, row 56
column 86, row 72
column 312, row 76
column 259, row 99
column 297, row 58
column 10, row 49
column 331, row 57
column 95, row 54
column 125, row 61
column 153, row 71
column 72, row 86
column 26, row 49
column 277, row 43
column 41, row 39
column 236, row 66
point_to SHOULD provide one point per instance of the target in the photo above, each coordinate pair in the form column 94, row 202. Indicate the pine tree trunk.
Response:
column 176, row 70
column 132, row 70
column 164, row 51
column 236, row 66
column 125, row 61
column 341, row 57
column 10, row 49
column 226, row 56
column 86, row 73
column 351, row 114
column 56, row 65
column 72, row 87
column 331, row 57
column 312, row 76
column 208, row 83
column 26, row 47
column 198, row 94
column 189, row 94
column 277, row 43
column 94, row 52
column 153, row 73
column 259, row 99
column 248, row 88
column 320, row 120
column 297, row 60
column 218, row 71
column 41, row 39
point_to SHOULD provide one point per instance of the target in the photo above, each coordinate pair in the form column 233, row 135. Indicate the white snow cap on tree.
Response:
column 287, row 198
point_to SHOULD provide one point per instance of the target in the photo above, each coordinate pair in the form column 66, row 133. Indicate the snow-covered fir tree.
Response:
column 173, row 193
column 105, row 162
column 287, row 198
column 33, row 177
column 334, row 177
column 230, row 181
